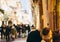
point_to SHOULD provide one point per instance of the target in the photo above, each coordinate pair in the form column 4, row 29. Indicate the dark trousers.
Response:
column 2, row 35
column 7, row 37
column 19, row 34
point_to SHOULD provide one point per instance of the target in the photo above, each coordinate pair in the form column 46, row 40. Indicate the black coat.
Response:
column 34, row 36
column 2, row 30
column 8, row 30
column 18, row 28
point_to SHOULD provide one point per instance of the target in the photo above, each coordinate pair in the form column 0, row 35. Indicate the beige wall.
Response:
column 51, row 4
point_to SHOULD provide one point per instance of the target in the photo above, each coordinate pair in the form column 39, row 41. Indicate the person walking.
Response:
column 34, row 36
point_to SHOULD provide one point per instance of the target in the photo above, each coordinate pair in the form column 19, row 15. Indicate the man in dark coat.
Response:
column 3, row 30
column 8, row 30
column 18, row 30
column 34, row 36
column 28, row 28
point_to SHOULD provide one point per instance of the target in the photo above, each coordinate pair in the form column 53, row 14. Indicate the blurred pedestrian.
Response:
column 47, row 34
column 28, row 28
column 56, row 36
column 3, row 31
column 34, row 36
column 8, row 30
column 13, row 33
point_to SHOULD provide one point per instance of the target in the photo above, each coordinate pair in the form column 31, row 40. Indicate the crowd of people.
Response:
column 12, row 31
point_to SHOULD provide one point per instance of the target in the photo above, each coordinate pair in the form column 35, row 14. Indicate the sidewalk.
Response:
column 20, row 40
column 2, row 40
column 16, row 40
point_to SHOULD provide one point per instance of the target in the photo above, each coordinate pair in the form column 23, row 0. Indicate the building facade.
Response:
column 49, row 13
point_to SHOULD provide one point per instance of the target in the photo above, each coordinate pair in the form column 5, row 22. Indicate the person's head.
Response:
column 32, row 26
column 9, row 23
column 45, row 31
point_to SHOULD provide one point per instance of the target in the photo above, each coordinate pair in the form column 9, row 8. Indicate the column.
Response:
column 51, row 4
column 45, row 13
column 36, row 13
column 58, row 14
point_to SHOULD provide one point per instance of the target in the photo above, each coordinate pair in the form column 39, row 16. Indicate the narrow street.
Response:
column 29, row 20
